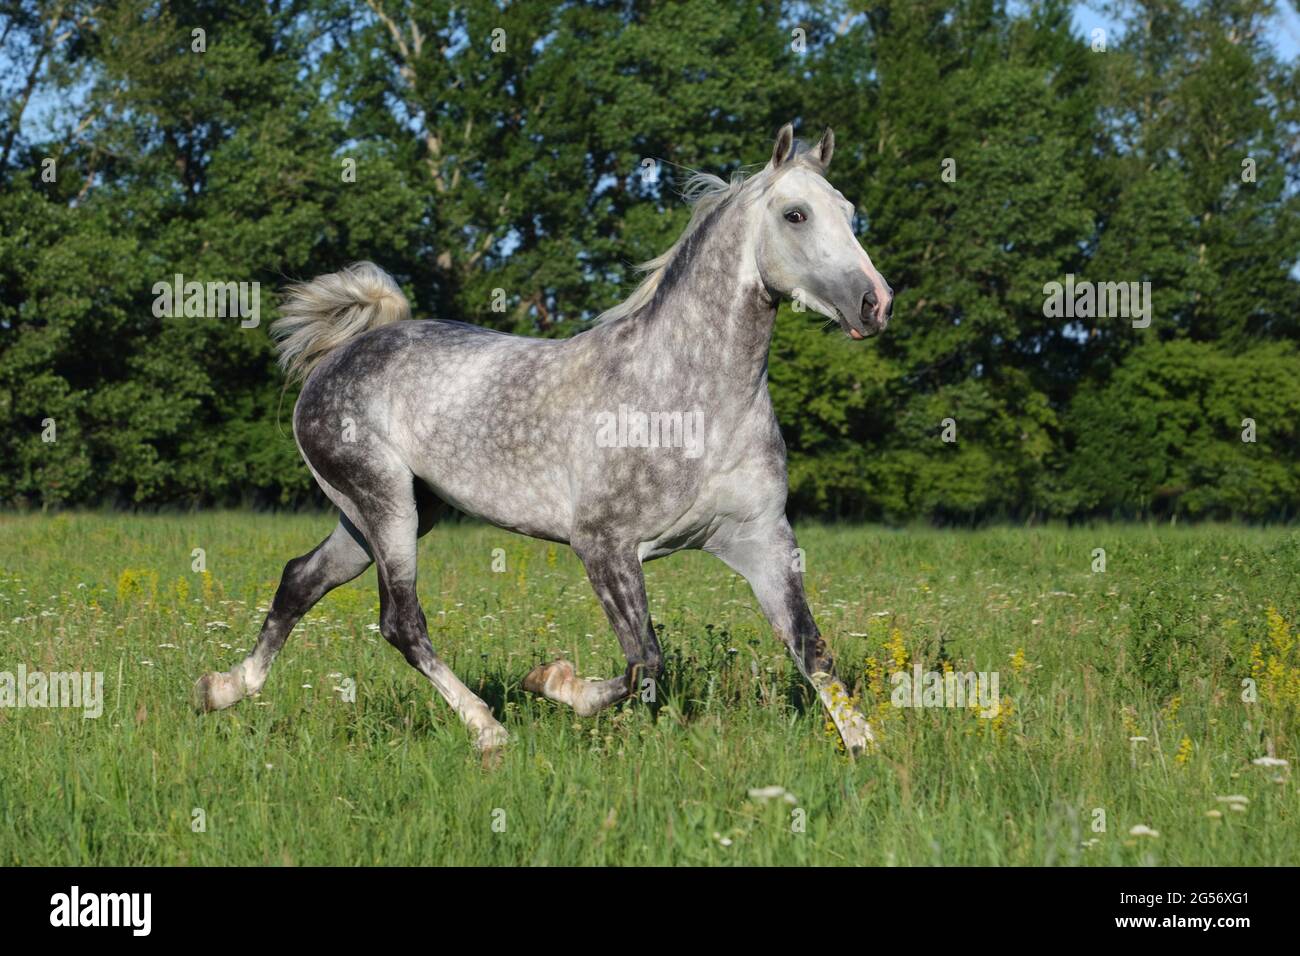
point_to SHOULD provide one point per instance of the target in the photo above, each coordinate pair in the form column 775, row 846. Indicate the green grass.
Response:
column 1157, row 646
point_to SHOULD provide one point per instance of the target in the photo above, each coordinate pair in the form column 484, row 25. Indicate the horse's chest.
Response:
column 741, row 476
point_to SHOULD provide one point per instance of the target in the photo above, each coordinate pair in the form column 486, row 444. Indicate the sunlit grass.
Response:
column 1123, row 704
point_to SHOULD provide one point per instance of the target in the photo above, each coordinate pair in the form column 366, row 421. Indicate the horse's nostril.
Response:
column 869, row 302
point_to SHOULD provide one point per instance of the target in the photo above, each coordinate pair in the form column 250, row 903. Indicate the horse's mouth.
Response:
column 852, row 330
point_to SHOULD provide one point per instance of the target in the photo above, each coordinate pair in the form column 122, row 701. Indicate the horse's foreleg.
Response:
column 336, row 560
column 615, row 574
column 768, row 559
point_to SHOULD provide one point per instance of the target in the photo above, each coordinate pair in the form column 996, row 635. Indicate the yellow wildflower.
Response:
column 1276, row 669
column 897, row 650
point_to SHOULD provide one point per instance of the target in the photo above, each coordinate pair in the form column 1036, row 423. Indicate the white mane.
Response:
column 705, row 192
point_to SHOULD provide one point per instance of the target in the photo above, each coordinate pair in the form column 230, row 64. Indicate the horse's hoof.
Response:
column 491, row 745
column 200, row 694
column 555, row 674
column 856, row 734
column 492, row 758
column 854, row 730
column 491, row 736
column 215, row 691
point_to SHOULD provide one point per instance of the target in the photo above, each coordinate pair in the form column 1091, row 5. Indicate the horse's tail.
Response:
column 319, row 316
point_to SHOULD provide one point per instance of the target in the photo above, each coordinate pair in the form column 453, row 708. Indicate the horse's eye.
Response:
column 795, row 215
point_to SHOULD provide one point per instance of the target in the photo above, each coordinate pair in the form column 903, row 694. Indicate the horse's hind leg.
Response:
column 391, row 526
column 615, row 574
column 336, row 560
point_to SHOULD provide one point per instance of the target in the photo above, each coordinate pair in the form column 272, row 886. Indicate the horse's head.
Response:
column 806, row 246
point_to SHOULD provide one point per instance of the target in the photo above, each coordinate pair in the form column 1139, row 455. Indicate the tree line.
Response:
column 510, row 163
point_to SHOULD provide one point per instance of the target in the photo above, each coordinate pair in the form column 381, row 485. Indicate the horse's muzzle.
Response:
column 877, row 308
column 862, row 304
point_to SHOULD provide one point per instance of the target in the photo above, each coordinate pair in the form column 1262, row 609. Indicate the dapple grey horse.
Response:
column 521, row 432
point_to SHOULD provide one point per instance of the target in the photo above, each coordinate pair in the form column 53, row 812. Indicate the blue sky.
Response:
column 1285, row 34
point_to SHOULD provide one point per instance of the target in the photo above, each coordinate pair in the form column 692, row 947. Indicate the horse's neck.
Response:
column 716, row 317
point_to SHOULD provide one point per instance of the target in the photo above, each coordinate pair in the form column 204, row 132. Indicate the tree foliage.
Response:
column 509, row 163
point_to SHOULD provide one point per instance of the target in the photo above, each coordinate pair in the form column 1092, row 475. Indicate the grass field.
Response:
column 1122, row 704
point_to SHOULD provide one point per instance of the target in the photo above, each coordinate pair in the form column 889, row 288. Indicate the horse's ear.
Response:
column 825, row 147
column 784, row 147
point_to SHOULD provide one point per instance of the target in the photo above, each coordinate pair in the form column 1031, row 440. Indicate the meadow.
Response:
column 1148, row 715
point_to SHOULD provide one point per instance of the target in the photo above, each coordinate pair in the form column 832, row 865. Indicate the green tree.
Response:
column 510, row 162
column 1166, row 435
